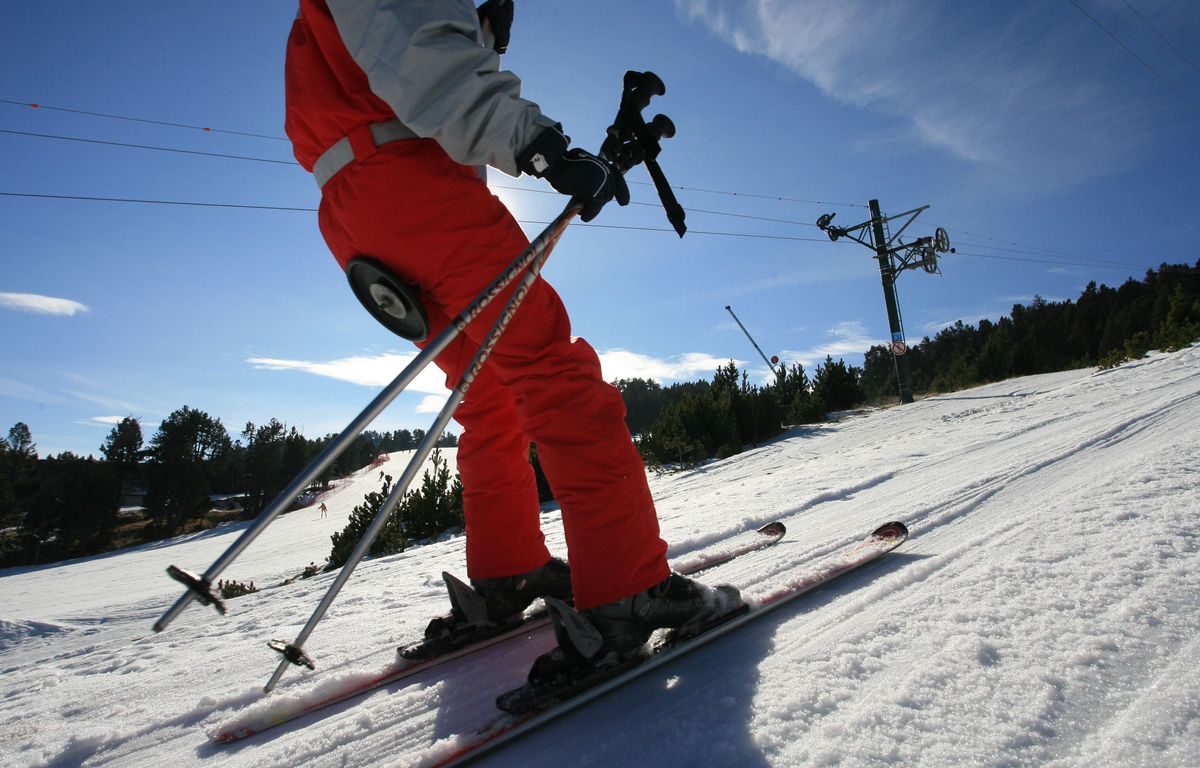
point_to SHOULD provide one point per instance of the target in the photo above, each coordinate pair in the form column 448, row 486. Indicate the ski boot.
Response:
column 489, row 607
column 609, row 636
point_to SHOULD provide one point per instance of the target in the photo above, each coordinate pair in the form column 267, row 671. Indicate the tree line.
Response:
column 687, row 423
column 1103, row 327
column 67, row 506
column 190, row 476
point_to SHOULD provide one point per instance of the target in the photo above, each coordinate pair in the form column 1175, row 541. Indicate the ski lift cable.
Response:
column 209, row 130
column 1132, row 53
column 1033, row 250
column 750, row 235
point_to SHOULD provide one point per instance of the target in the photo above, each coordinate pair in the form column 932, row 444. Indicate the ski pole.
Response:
column 294, row 653
column 200, row 587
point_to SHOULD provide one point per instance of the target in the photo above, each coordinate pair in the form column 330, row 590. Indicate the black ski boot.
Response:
column 489, row 607
column 509, row 596
column 609, row 635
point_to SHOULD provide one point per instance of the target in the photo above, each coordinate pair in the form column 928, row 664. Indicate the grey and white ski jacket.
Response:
column 429, row 61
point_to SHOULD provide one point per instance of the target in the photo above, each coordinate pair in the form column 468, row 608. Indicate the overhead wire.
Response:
column 1026, row 247
column 1031, row 257
column 1029, row 250
column 151, row 201
column 305, row 209
column 1132, row 53
column 1041, row 260
column 147, row 146
column 1163, row 37
column 205, row 129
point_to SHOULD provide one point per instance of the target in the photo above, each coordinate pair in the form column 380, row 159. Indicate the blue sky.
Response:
column 1052, row 155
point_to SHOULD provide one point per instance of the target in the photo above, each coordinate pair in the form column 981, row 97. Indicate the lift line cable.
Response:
column 1030, row 249
column 751, row 235
column 282, row 138
column 246, row 206
column 1131, row 52
column 205, row 129
column 1163, row 37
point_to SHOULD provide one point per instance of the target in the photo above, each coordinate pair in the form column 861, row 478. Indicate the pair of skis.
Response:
column 537, row 706
column 259, row 719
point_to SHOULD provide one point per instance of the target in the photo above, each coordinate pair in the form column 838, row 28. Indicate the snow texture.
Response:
column 1044, row 611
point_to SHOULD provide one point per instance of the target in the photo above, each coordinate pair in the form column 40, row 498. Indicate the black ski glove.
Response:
column 589, row 180
column 499, row 16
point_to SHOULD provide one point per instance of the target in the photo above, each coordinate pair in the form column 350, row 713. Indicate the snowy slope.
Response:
column 1044, row 612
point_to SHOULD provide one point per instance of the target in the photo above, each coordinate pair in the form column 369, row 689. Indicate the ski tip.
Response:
column 893, row 531
column 775, row 529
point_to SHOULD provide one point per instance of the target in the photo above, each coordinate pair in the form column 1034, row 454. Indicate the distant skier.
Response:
column 392, row 105
column 324, row 510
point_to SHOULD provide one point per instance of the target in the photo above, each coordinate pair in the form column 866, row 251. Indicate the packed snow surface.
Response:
column 1044, row 611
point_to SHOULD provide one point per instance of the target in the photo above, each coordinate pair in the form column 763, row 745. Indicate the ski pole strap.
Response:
column 360, row 143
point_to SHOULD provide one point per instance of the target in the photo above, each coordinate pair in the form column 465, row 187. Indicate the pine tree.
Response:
column 835, row 386
column 391, row 539
column 123, row 451
column 184, row 454
column 75, row 509
column 18, row 486
column 436, row 506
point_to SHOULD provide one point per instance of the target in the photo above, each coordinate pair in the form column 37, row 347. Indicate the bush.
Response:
column 436, row 506
column 430, row 510
column 231, row 589
column 390, row 540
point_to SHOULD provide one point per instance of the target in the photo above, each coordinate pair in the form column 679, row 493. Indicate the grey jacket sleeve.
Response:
column 425, row 58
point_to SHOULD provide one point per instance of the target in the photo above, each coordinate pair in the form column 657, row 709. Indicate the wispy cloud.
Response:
column 993, row 314
column 623, row 364
column 108, row 421
column 380, row 370
column 368, row 371
column 41, row 305
column 432, row 403
column 20, row 390
column 848, row 339
column 1008, row 93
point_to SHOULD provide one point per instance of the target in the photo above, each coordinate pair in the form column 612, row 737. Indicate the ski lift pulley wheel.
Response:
column 394, row 303
column 929, row 261
column 941, row 241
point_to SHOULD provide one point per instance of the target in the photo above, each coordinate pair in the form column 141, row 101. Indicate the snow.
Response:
column 1044, row 611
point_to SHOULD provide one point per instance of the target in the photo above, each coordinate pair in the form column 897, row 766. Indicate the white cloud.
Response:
column 377, row 371
column 380, row 370
column 846, row 339
column 19, row 390
column 40, row 305
column 1009, row 92
column 368, row 371
column 623, row 364
column 432, row 403
column 106, row 420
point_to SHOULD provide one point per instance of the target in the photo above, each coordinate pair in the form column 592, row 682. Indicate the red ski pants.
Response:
column 436, row 224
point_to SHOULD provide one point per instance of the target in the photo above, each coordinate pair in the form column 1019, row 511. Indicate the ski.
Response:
column 536, row 707
column 281, row 709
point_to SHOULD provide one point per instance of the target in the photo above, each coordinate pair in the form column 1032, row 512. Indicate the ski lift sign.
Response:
column 898, row 345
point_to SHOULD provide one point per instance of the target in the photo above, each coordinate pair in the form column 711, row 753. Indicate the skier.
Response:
column 392, row 105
